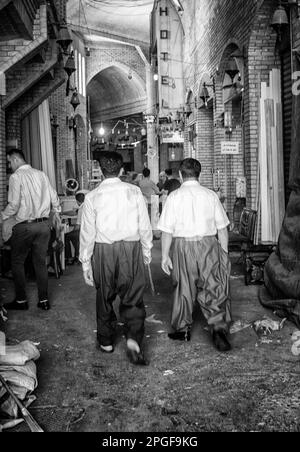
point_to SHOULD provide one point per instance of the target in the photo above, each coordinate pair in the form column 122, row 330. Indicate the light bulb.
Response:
column 155, row 76
column 101, row 130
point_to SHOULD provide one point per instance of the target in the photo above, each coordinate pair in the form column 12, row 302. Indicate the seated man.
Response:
column 73, row 236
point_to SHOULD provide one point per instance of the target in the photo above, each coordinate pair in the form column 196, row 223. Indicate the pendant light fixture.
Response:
column 64, row 38
column 75, row 99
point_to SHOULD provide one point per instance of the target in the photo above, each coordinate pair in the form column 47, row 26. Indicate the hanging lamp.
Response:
column 64, row 38
column 75, row 99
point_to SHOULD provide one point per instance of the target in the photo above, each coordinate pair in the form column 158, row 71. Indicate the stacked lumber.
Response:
column 271, row 172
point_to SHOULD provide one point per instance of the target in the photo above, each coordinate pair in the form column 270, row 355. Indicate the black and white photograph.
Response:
column 149, row 219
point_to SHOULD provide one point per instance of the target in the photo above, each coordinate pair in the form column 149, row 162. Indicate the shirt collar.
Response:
column 23, row 167
column 190, row 182
column 111, row 180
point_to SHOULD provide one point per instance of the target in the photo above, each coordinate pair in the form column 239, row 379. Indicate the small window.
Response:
column 164, row 34
column 164, row 80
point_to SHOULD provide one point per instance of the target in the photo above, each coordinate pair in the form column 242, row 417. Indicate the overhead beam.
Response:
column 106, row 34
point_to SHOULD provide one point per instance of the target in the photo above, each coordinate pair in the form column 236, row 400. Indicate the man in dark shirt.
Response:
column 171, row 183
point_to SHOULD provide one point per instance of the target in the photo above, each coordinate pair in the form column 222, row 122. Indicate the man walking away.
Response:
column 148, row 188
column 168, row 183
column 115, row 243
column 200, row 265
column 30, row 198
column 73, row 236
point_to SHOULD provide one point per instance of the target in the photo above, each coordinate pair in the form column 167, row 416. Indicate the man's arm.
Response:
column 14, row 198
column 223, row 238
column 54, row 197
column 87, row 241
column 166, row 263
column 145, row 229
column 166, row 224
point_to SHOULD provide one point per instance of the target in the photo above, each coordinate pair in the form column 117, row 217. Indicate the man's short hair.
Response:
column 17, row 153
column 190, row 168
column 111, row 163
column 169, row 171
column 146, row 172
column 80, row 197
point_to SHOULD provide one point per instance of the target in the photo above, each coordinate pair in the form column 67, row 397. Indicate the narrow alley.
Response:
column 188, row 387
column 149, row 142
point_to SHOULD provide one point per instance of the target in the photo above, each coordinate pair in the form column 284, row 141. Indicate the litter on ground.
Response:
column 266, row 326
column 168, row 372
column 239, row 325
column 151, row 319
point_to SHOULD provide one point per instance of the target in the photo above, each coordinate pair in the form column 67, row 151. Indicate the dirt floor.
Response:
column 188, row 387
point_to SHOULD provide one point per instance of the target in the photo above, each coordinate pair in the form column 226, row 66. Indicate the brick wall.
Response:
column 29, row 80
column 108, row 55
column 205, row 144
column 60, row 107
column 214, row 29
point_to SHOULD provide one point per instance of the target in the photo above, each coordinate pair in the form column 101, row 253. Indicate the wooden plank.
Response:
column 275, row 199
column 263, row 166
column 281, row 190
column 269, row 215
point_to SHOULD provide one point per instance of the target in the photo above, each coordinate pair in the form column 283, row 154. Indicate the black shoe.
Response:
column 137, row 358
column 104, row 349
column 14, row 305
column 180, row 336
column 44, row 305
column 220, row 340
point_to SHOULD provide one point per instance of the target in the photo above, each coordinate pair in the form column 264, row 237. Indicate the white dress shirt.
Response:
column 30, row 195
column 114, row 211
column 192, row 211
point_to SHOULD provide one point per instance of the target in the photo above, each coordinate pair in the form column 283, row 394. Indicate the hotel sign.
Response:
column 172, row 137
column 230, row 147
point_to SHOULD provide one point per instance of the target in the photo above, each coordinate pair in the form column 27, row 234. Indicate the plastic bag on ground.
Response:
column 20, row 354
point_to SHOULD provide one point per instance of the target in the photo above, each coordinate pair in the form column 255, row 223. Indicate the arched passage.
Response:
column 228, row 121
column 117, row 100
column 115, row 91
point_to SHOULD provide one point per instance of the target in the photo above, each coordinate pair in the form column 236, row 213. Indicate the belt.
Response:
column 36, row 220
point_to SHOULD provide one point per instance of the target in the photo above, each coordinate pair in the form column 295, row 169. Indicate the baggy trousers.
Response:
column 26, row 237
column 119, row 270
column 201, row 272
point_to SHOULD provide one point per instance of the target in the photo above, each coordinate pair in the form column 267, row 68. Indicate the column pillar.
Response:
column 152, row 139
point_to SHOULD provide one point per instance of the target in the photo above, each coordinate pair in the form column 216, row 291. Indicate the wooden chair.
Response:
column 54, row 252
column 253, row 256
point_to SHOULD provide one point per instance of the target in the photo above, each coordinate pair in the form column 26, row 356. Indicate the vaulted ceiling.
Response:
column 111, row 92
column 113, row 95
